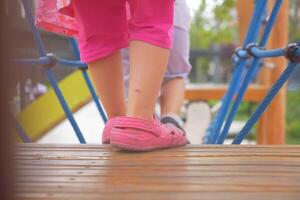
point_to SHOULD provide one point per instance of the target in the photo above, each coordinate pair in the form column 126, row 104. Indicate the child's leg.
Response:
column 173, row 88
column 102, row 33
column 172, row 96
column 147, row 66
column 107, row 75
column 150, row 30
column 150, row 36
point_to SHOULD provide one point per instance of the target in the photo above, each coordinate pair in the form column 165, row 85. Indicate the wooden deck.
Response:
column 191, row 172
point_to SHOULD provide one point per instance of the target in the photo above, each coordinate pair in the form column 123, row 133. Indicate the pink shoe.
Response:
column 134, row 134
column 107, row 130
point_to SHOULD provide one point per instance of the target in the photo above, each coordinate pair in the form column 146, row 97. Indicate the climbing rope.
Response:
column 267, row 100
column 252, row 71
column 254, row 52
column 50, row 60
column 213, row 131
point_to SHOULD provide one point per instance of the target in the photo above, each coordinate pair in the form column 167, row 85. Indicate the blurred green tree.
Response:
column 214, row 24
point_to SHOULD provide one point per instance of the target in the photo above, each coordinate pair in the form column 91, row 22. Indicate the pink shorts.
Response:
column 104, row 25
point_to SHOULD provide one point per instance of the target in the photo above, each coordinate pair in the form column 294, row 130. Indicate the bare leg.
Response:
column 107, row 75
column 172, row 96
column 147, row 66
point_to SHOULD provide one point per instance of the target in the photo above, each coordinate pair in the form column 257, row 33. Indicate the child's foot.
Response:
column 172, row 121
column 107, row 130
column 134, row 134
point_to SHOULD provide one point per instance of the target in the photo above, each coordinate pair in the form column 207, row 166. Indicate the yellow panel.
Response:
column 44, row 113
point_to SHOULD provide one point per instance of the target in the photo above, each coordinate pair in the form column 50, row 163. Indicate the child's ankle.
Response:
column 148, row 117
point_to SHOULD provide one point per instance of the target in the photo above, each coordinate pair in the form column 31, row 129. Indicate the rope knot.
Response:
column 53, row 60
column 292, row 52
column 250, row 46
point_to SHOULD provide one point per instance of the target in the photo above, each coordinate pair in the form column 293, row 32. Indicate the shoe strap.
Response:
column 136, row 123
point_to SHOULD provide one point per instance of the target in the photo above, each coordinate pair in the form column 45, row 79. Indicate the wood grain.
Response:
column 44, row 171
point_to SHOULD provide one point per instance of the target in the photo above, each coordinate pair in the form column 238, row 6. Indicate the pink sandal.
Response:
column 107, row 130
column 134, row 134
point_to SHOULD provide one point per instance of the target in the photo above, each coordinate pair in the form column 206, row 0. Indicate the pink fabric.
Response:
column 134, row 134
column 56, row 16
column 105, row 26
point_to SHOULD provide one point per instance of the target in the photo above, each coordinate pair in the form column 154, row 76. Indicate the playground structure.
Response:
column 268, row 132
column 203, row 93
column 191, row 172
column 255, row 93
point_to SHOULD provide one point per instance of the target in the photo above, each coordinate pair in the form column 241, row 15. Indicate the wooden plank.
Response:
column 204, row 147
column 44, row 171
column 205, row 92
column 141, row 169
column 163, row 195
column 150, row 172
column 244, row 11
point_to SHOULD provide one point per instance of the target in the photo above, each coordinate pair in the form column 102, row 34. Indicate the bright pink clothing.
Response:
column 102, row 26
column 56, row 16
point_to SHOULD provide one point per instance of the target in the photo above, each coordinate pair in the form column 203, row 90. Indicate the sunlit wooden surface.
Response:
column 192, row 172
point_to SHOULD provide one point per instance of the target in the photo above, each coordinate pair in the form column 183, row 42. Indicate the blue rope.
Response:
column 251, row 73
column 89, row 82
column 71, row 63
column 50, row 75
column 252, row 34
column 75, row 48
column 65, row 106
column 20, row 131
column 265, row 102
column 260, row 53
column 45, row 60
column 37, row 36
column 94, row 95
